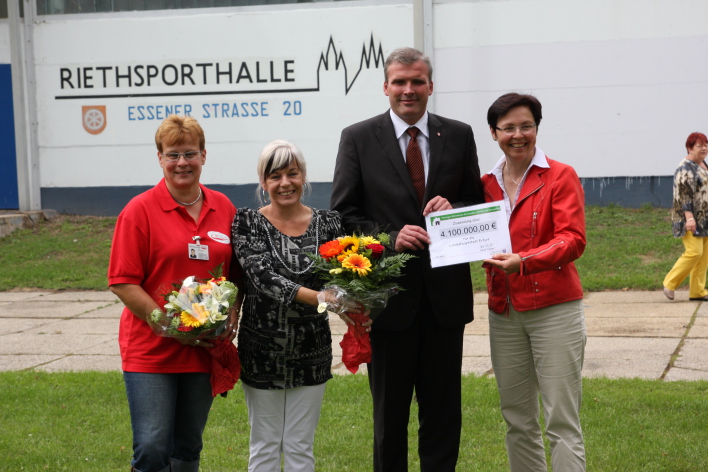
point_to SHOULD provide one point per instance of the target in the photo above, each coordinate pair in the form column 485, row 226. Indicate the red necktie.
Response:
column 414, row 162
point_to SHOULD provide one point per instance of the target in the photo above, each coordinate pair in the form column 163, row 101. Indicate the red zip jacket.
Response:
column 547, row 229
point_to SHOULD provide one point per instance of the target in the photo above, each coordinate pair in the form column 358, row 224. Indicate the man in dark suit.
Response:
column 387, row 177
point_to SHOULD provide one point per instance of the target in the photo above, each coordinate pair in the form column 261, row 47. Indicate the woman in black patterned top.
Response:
column 689, row 217
column 285, row 345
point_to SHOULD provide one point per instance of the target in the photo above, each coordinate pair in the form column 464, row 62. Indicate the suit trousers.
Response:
column 427, row 358
column 541, row 351
column 283, row 422
column 693, row 262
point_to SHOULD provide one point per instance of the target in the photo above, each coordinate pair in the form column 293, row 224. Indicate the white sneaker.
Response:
column 669, row 293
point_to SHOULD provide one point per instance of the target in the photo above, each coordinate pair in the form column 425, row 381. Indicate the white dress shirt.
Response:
column 538, row 160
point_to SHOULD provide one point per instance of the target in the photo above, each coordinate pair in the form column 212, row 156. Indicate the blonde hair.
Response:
column 276, row 156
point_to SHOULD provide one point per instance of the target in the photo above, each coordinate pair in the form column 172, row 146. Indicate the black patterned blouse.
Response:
column 690, row 194
column 281, row 343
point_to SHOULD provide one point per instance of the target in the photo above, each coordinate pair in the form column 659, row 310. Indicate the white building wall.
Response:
column 622, row 82
column 4, row 42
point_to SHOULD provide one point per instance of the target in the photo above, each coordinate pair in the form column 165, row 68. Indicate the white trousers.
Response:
column 283, row 422
column 541, row 352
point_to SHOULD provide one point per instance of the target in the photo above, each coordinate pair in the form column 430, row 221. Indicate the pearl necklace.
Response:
column 195, row 201
column 277, row 254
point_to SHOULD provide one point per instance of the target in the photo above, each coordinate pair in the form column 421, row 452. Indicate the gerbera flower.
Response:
column 197, row 318
column 366, row 240
column 330, row 249
column 204, row 288
column 335, row 271
column 189, row 320
column 357, row 264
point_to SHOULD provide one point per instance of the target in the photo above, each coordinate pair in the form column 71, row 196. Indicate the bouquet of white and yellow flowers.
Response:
column 195, row 309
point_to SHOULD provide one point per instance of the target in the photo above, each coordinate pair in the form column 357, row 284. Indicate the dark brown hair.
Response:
column 506, row 102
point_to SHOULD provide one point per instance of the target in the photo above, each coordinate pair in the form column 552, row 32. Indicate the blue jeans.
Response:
column 168, row 413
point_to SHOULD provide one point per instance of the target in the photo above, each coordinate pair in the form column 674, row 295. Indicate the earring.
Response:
column 264, row 195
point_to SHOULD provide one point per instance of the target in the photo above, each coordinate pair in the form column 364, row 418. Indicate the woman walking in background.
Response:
column 689, row 218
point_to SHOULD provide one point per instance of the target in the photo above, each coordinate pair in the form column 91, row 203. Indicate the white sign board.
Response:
column 249, row 78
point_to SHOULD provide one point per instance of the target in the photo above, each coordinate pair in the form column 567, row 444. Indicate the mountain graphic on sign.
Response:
column 335, row 59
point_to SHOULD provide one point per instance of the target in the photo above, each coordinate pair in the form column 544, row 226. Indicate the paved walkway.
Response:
column 630, row 334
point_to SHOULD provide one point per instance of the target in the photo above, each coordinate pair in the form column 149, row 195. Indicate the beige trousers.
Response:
column 540, row 352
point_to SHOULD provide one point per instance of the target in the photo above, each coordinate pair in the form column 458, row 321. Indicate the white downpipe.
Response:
column 24, row 97
column 423, row 34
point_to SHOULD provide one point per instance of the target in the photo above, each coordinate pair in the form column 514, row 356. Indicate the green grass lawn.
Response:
column 67, row 253
column 627, row 248
column 79, row 422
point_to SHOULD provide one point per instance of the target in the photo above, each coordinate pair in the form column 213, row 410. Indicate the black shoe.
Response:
column 704, row 299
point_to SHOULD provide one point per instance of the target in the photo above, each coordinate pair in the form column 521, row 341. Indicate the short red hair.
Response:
column 176, row 130
column 695, row 138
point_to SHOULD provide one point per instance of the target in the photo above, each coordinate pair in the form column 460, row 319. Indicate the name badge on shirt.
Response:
column 198, row 251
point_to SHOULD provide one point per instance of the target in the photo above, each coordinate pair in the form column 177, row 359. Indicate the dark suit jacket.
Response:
column 372, row 190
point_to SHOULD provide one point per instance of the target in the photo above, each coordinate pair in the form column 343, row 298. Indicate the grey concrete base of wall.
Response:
column 631, row 192
column 12, row 221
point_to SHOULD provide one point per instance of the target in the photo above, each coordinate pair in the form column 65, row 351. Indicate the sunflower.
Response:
column 357, row 264
column 350, row 244
column 330, row 249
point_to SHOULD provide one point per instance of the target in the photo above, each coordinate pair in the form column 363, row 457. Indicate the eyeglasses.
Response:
column 189, row 155
column 512, row 129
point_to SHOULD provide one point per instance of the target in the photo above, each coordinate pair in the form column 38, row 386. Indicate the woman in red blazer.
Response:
column 536, row 322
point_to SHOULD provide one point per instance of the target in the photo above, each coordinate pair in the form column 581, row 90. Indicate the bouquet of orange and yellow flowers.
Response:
column 357, row 272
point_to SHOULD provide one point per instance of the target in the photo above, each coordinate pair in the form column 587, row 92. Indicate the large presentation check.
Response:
column 468, row 234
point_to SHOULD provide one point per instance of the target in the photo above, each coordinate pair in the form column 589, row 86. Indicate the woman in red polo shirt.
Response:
column 176, row 229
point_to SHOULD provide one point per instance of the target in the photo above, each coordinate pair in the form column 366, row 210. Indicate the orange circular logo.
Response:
column 94, row 118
